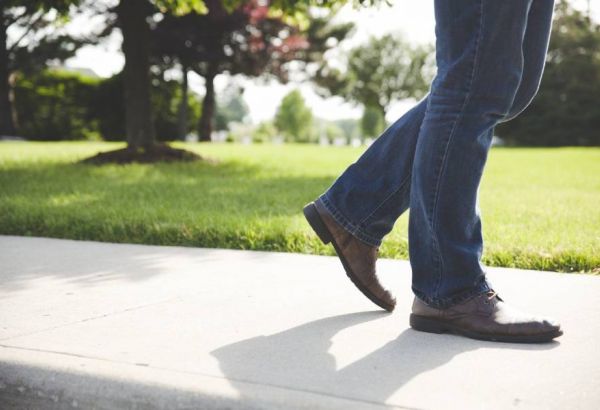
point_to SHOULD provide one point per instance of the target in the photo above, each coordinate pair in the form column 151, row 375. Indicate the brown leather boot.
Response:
column 484, row 317
column 357, row 257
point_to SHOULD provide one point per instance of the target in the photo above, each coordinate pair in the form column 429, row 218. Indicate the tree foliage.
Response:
column 36, row 43
column 294, row 119
column 63, row 105
column 246, row 40
column 231, row 108
column 372, row 122
column 379, row 72
column 57, row 106
column 253, row 39
column 264, row 132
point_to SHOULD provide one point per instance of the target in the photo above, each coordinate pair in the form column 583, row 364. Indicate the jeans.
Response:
column 490, row 56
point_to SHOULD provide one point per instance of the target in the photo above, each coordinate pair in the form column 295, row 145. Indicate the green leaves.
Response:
column 181, row 7
column 294, row 118
column 379, row 72
column 372, row 122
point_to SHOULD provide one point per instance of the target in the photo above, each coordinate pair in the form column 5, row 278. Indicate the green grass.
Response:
column 540, row 207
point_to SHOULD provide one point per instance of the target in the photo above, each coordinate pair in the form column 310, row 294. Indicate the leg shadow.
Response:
column 298, row 359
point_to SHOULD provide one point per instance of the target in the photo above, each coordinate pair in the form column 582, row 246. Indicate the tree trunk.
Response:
column 138, row 111
column 205, row 126
column 182, row 118
column 7, row 124
column 382, row 110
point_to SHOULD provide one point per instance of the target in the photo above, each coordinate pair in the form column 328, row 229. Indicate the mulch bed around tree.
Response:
column 157, row 153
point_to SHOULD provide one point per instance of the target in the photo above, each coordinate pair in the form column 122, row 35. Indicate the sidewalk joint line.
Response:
column 91, row 318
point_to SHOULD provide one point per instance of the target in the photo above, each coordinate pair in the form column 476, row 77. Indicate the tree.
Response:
column 33, row 47
column 63, row 104
column 565, row 110
column 245, row 41
column 294, row 119
column 372, row 122
column 322, row 35
column 57, row 105
column 232, row 108
column 349, row 126
column 253, row 40
column 132, row 17
column 381, row 71
column 265, row 131
column 333, row 132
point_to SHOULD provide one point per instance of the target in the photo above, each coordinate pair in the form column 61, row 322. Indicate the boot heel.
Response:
column 425, row 324
column 316, row 223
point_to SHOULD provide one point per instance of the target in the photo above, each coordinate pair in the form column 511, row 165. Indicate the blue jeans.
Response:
column 490, row 56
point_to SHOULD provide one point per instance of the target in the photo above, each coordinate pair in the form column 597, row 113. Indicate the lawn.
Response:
column 540, row 207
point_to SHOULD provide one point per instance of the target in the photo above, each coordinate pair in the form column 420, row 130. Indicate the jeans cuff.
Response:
column 349, row 226
column 443, row 303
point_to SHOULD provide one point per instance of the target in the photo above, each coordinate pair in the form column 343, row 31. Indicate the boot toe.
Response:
column 389, row 300
column 551, row 326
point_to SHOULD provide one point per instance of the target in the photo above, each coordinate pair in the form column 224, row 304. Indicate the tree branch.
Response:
column 10, row 22
column 30, row 26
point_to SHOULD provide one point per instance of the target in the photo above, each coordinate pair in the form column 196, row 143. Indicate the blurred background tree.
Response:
column 38, row 41
column 379, row 72
column 132, row 19
column 334, row 133
column 231, row 108
column 60, row 104
column 150, row 101
column 215, row 36
column 264, row 132
column 245, row 41
column 372, row 122
column 249, row 41
column 294, row 119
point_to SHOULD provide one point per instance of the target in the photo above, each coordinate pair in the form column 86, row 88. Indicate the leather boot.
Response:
column 357, row 257
column 484, row 317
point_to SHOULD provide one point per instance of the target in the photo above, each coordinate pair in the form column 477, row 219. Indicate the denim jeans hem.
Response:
column 444, row 303
column 349, row 226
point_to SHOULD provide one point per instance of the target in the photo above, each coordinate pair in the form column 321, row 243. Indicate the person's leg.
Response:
column 535, row 48
column 370, row 195
column 365, row 201
column 480, row 50
column 445, row 242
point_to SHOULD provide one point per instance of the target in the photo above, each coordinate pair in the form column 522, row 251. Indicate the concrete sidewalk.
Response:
column 106, row 326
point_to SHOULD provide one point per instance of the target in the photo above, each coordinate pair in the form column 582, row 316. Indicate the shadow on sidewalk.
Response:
column 298, row 359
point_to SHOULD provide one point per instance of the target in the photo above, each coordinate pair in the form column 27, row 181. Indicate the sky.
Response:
column 413, row 19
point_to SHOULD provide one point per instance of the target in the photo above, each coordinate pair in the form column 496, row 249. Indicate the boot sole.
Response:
column 316, row 223
column 432, row 325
